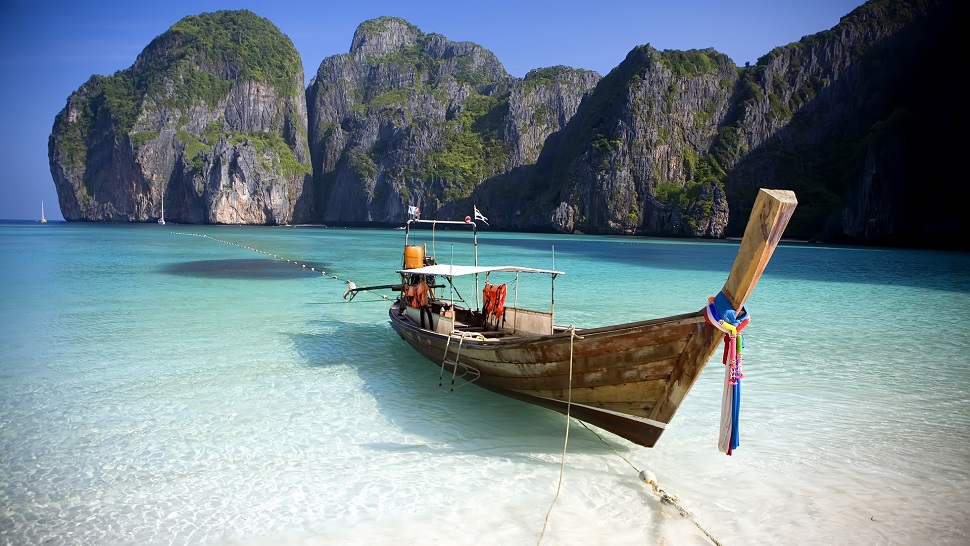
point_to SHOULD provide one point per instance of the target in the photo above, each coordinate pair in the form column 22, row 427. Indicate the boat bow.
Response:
column 769, row 217
column 629, row 379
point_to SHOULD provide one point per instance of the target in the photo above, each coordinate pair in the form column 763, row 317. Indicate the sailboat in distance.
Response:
column 43, row 220
column 161, row 221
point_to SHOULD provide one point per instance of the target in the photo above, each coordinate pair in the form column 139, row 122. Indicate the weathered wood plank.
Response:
column 769, row 217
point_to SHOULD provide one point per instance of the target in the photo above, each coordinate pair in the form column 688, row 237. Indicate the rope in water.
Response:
column 647, row 477
column 644, row 475
column 562, row 460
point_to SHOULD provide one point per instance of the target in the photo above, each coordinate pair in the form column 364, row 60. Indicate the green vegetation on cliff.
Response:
column 274, row 149
column 380, row 25
column 420, row 76
column 270, row 144
column 198, row 59
column 222, row 46
column 472, row 149
column 471, row 64
column 691, row 63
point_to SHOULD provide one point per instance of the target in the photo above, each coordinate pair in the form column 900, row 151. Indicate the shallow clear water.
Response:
column 180, row 384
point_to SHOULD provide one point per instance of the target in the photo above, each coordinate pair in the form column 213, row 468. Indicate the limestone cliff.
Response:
column 413, row 119
column 211, row 118
column 632, row 159
column 677, row 142
column 540, row 105
column 851, row 120
column 668, row 143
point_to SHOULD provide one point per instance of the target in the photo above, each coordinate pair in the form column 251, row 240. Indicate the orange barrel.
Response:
column 413, row 257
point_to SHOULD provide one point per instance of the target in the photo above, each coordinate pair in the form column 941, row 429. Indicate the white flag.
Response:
column 480, row 216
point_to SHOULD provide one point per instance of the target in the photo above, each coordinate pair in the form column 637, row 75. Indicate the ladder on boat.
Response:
column 468, row 374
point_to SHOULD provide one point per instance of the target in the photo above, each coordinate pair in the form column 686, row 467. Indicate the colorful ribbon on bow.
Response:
column 722, row 316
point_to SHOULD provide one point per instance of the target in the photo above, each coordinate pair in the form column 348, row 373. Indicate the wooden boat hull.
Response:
column 629, row 379
column 619, row 374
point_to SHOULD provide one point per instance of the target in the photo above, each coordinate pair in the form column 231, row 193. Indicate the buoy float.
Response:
column 648, row 477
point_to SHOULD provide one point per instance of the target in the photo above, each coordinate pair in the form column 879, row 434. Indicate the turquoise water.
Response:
column 180, row 384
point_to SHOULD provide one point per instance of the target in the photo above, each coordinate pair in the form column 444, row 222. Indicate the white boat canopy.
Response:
column 450, row 271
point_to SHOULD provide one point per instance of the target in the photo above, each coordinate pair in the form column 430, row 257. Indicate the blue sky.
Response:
column 49, row 48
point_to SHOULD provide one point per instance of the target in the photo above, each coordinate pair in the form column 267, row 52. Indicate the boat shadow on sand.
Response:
column 469, row 419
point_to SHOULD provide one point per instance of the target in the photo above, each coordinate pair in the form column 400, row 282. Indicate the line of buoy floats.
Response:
column 311, row 268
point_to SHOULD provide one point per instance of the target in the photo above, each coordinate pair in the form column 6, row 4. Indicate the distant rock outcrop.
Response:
column 211, row 119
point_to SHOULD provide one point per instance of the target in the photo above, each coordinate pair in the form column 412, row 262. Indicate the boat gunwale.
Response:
column 512, row 340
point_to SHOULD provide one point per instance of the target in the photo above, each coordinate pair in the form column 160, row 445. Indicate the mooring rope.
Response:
column 647, row 477
column 562, row 460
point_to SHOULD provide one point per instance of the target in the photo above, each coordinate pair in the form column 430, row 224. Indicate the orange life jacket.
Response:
column 417, row 294
column 493, row 299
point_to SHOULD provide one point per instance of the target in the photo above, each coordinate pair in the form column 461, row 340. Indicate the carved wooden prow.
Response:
column 769, row 217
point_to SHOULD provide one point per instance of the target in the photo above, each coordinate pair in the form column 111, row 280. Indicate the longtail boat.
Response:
column 628, row 379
